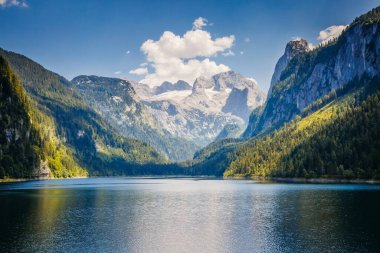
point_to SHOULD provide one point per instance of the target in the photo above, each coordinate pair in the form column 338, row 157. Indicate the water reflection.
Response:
column 169, row 215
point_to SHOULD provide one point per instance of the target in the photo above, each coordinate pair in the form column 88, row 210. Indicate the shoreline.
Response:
column 325, row 180
column 296, row 180
column 15, row 180
column 259, row 179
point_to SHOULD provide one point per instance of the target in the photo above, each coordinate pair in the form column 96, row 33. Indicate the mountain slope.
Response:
column 96, row 146
column 310, row 75
column 200, row 114
column 325, row 128
column 340, row 140
column 116, row 101
column 29, row 146
column 167, row 86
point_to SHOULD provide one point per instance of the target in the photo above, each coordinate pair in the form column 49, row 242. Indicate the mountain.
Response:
column 312, row 74
column 292, row 49
column 116, row 101
column 74, row 137
column 29, row 146
column 236, row 103
column 340, row 140
column 168, row 86
column 201, row 113
column 320, row 120
column 227, row 81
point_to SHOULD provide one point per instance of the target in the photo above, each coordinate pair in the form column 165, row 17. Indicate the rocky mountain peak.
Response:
column 293, row 48
column 168, row 86
column 296, row 46
column 106, row 85
column 200, row 84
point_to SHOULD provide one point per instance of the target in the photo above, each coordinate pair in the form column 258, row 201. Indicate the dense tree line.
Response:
column 27, row 137
column 340, row 140
column 72, row 137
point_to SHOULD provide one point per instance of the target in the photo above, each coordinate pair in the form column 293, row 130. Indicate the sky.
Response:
column 160, row 40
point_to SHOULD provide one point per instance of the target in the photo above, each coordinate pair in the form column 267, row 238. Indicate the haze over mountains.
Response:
column 320, row 118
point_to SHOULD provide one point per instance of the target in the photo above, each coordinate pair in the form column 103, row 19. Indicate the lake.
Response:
column 187, row 215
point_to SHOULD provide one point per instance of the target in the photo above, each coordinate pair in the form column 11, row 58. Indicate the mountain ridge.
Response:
column 312, row 74
column 116, row 100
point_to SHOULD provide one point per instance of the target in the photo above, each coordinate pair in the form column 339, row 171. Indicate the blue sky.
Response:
column 105, row 37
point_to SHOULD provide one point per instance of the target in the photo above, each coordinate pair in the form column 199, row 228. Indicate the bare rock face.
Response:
column 168, row 86
column 43, row 171
column 201, row 113
column 312, row 74
column 237, row 103
column 293, row 48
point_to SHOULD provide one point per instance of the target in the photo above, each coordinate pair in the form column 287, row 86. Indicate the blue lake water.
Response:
column 187, row 215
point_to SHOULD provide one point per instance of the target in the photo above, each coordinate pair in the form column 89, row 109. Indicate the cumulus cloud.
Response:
column 192, row 44
column 330, row 33
column 14, row 3
column 181, row 70
column 199, row 23
column 173, row 57
column 139, row 71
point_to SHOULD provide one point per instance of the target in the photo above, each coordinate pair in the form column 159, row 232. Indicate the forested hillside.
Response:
column 321, row 118
column 116, row 101
column 84, row 135
column 340, row 140
column 29, row 146
column 313, row 73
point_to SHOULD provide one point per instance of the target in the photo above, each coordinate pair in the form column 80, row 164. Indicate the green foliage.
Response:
column 138, row 124
column 340, row 140
column 27, row 135
column 70, row 133
column 300, row 68
column 373, row 16
column 213, row 159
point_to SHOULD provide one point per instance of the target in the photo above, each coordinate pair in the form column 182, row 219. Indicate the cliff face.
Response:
column 310, row 75
column 236, row 103
column 293, row 48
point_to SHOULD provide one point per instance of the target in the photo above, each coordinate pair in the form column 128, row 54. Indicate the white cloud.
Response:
column 128, row 52
column 181, row 70
column 117, row 72
column 15, row 3
column 144, row 64
column 228, row 53
column 247, row 40
column 241, row 52
column 199, row 23
column 174, row 57
column 139, row 71
column 192, row 44
column 330, row 33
